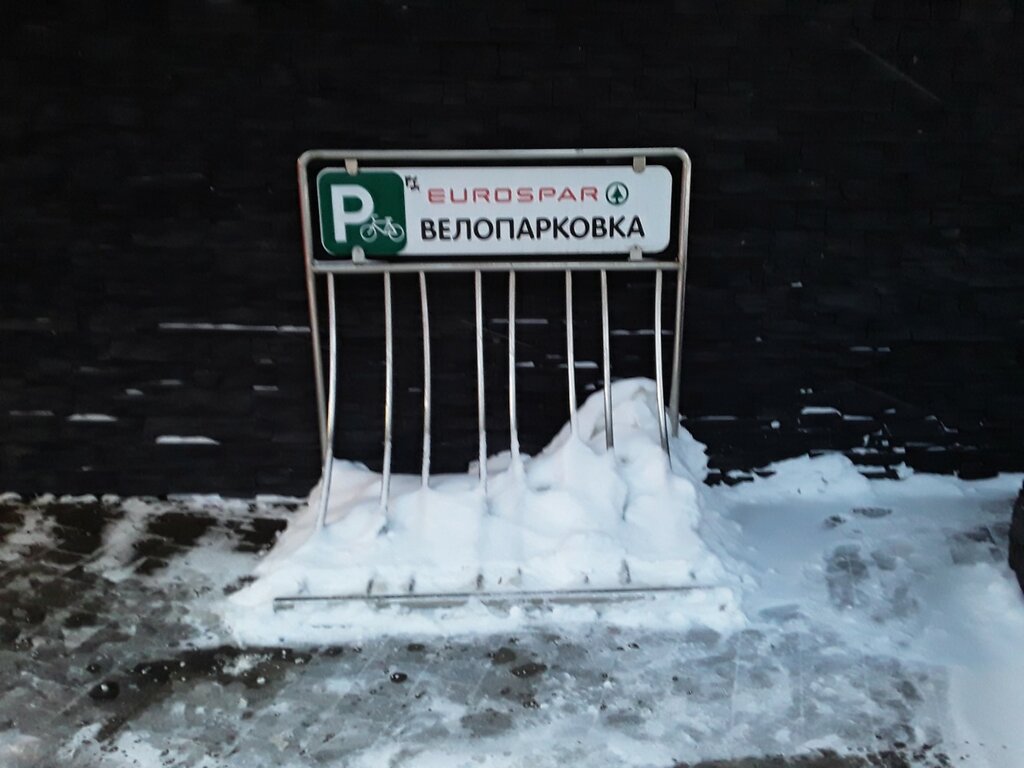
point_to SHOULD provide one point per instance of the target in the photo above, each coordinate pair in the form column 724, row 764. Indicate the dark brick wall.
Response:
column 856, row 242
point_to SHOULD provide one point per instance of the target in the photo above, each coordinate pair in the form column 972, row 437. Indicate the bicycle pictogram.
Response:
column 381, row 225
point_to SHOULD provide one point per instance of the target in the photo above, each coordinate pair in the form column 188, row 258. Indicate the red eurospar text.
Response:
column 509, row 194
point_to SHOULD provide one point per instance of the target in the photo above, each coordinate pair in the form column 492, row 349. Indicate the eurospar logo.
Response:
column 617, row 193
column 365, row 210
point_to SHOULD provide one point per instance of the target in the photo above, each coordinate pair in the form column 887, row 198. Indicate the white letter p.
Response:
column 343, row 218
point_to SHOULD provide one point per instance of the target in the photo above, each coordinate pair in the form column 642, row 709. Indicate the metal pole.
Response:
column 513, row 422
column 389, row 375
column 328, row 439
column 658, row 367
column 609, row 438
column 425, row 312
column 570, row 353
column 478, row 289
column 677, row 341
column 677, row 338
column 314, row 320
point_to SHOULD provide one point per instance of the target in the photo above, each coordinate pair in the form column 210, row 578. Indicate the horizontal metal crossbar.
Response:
column 489, row 598
column 488, row 154
column 378, row 267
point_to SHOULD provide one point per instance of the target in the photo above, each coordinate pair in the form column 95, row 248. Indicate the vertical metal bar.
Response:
column 318, row 365
column 425, row 313
column 389, row 376
column 659, row 372
column 482, row 454
column 570, row 352
column 328, row 452
column 609, row 438
column 513, row 421
column 677, row 341
column 314, row 319
column 677, row 337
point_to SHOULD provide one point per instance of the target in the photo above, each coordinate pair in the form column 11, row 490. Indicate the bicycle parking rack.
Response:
column 335, row 256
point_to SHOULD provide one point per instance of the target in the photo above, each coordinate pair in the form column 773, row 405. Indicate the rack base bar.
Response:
column 491, row 599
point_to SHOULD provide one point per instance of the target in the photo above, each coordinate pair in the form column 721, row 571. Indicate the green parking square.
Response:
column 365, row 210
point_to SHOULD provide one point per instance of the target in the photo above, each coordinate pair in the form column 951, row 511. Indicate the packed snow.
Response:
column 185, row 440
column 92, row 417
column 575, row 517
column 812, row 546
column 907, row 569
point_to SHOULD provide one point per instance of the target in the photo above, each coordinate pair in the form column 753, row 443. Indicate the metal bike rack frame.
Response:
column 329, row 268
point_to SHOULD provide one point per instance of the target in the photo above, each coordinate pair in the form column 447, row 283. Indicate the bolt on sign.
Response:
column 437, row 212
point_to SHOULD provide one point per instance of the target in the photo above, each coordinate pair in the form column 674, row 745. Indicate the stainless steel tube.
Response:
column 677, row 342
column 609, row 437
column 677, row 337
column 464, row 267
column 513, row 422
column 570, row 353
column 314, row 319
column 389, row 376
column 425, row 313
column 659, row 372
column 481, row 419
column 332, row 399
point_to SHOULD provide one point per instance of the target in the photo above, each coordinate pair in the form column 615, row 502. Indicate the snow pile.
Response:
column 913, row 570
column 574, row 517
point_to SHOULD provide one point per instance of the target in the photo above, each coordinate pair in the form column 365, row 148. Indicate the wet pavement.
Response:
column 111, row 654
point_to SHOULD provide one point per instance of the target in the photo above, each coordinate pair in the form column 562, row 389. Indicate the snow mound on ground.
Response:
column 910, row 570
column 574, row 517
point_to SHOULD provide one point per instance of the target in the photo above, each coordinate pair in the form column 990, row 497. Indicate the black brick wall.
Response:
column 856, row 233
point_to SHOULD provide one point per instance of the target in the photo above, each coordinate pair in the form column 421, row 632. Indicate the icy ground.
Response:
column 882, row 625
column 854, row 623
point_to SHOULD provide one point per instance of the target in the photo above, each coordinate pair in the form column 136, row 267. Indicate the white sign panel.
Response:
column 431, row 211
